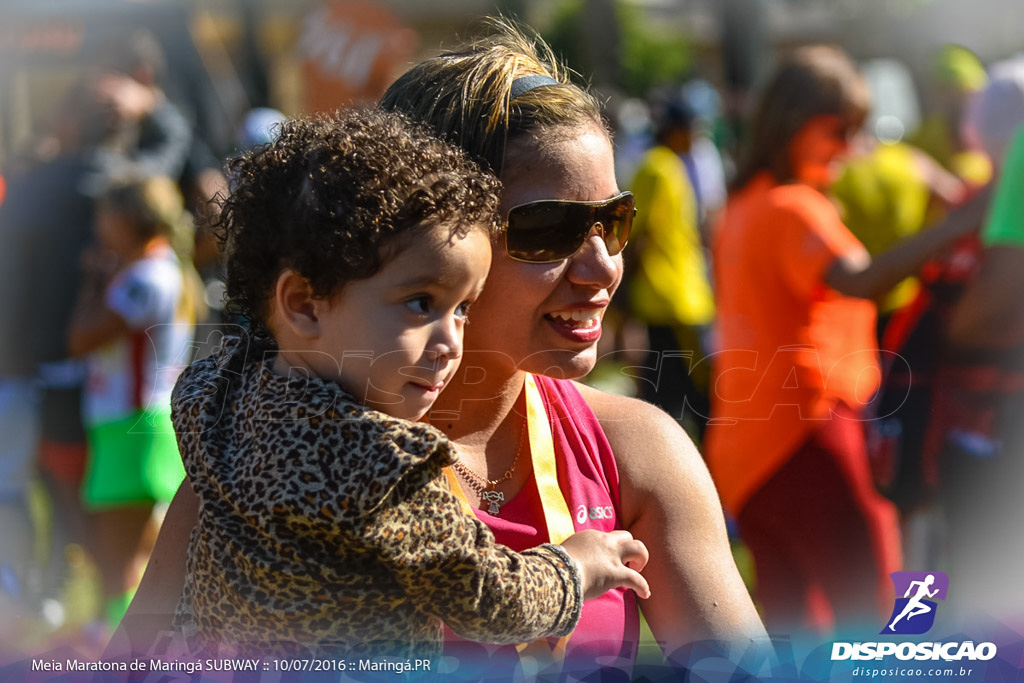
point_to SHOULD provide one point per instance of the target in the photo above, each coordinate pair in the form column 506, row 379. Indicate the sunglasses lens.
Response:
column 617, row 220
column 540, row 232
column 551, row 230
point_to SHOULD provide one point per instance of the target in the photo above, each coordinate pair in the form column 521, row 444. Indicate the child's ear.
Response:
column 295, row 306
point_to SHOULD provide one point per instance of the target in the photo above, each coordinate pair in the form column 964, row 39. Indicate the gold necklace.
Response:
column 484, row 487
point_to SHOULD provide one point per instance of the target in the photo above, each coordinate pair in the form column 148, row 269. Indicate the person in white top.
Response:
column 134, row 324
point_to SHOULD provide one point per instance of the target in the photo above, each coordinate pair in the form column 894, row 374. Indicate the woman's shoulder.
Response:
column 601, row 401
column 631, row 424
column 658, row 463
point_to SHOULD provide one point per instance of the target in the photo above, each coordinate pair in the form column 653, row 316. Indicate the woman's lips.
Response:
column 579, row 325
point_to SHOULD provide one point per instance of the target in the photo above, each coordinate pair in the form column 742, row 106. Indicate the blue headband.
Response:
column 527, row 83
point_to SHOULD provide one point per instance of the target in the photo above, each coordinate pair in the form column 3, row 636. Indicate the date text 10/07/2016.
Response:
column 386, row 664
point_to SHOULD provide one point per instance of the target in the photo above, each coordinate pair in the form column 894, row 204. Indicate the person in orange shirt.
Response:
column 798, row 363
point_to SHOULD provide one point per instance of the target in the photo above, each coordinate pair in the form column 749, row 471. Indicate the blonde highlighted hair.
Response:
column 465, row 94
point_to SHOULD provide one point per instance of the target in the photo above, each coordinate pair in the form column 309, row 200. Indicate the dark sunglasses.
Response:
column 551, row 229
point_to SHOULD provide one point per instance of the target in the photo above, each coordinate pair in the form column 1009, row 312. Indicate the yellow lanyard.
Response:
column 557, row 517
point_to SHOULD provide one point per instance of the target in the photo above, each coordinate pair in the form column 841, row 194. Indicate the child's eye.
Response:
column 419, row 304
column 463, row 311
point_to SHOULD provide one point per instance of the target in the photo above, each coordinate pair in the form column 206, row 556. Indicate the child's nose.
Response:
column 446, row 339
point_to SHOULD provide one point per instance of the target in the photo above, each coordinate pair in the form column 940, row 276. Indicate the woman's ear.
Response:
column 295, row 308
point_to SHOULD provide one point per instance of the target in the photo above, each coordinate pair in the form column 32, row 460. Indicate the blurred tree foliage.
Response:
column 649, row 54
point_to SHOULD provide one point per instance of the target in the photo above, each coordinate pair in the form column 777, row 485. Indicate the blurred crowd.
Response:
column 840, row 329
column 109, row 290
column 824, row 295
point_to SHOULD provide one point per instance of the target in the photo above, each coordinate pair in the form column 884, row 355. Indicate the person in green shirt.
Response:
column 980, row 464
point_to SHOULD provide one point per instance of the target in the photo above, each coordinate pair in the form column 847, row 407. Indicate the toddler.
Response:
column 355, row 246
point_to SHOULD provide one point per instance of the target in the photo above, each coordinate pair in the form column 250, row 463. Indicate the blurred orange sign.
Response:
column 351, row 50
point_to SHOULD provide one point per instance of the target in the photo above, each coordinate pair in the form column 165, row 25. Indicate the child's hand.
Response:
column 608, row 560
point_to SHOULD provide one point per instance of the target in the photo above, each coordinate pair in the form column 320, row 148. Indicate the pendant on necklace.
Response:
column 493, row 497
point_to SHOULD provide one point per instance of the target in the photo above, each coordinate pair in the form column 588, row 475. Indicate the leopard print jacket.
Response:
column 327, row 526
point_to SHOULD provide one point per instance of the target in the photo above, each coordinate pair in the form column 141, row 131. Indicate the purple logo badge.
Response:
column 914, row 612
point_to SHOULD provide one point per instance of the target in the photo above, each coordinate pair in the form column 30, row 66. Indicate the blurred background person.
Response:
column 159, row 139
column 957, row 76
column 668, row 284
column 887, row 194
column 113, row 118
column 797, row 359
column 977, row 442
column 705, row 163
column 134, row 324
column 156, row 137
column 46, row 224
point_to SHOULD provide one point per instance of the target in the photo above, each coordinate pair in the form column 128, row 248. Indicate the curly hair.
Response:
column 334, row 198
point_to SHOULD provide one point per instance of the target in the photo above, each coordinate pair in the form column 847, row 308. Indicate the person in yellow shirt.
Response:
column 890, row 194
column 668, row 288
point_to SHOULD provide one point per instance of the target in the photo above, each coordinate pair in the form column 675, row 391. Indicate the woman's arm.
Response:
column 669, row 502
column 862, row 276
column 152, row 609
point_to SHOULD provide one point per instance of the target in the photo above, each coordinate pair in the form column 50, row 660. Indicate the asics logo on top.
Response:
column 583, row 513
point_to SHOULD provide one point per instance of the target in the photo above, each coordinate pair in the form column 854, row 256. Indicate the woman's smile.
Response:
column 582, row 325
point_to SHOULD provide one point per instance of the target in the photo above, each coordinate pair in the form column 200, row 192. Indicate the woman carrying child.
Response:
column 355, row 247
column 564, row 457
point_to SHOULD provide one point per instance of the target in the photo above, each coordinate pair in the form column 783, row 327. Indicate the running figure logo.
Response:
column 914, row 613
